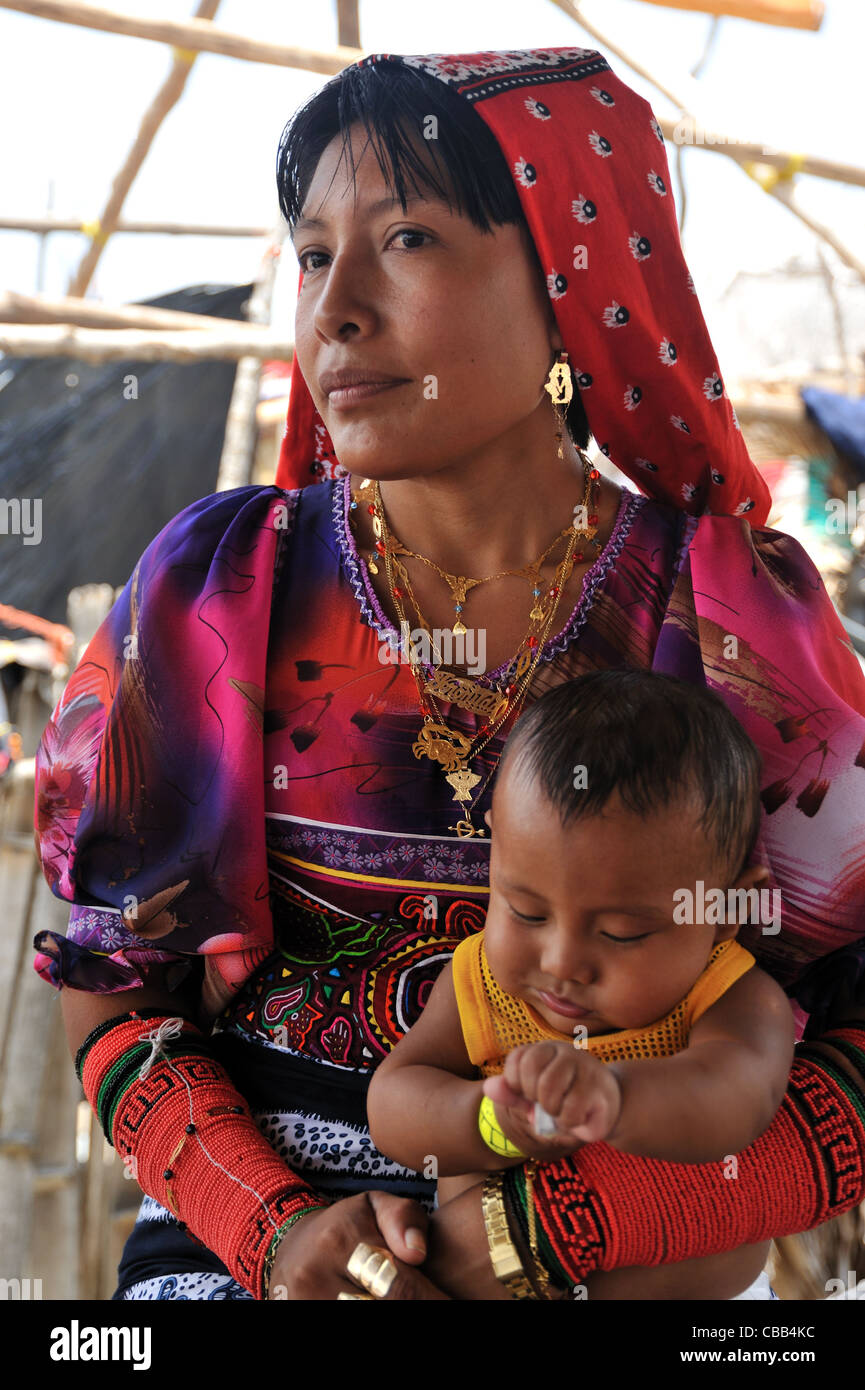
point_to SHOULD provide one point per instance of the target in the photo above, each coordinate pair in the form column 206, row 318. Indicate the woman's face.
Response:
column 462, row 317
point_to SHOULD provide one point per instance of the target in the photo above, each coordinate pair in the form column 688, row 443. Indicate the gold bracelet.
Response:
column 506, row 1262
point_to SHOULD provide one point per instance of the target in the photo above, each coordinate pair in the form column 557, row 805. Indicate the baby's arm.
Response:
column 424, row 1097
column 698, row 1106
column 722, row 1092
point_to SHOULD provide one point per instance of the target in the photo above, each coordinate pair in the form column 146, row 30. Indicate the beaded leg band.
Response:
column 603, row 1209
column 172, row 1112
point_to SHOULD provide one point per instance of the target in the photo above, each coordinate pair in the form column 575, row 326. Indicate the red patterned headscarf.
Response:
column 589, row 164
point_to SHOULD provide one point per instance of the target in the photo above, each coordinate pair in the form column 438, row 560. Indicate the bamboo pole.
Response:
column 791, row 14
column 238, row 445
column 89, row 313
column 32, row 1014
column 783, row 192
column 168, row 95
column 129, row 344
column 348, row 24
column 837, row 319
column 193, row 34
column 56, row 1234
column 16, row 885
column 207, row 38
column 96, row 1204
column 772, row 185
column 43, row 225
column 686, row 131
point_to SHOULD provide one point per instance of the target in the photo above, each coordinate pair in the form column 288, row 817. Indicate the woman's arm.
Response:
column 177, row 1121
column 603, row 1209
column 82, row 1011
column 424, row 1097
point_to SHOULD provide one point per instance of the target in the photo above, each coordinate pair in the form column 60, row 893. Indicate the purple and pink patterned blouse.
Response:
column 232, row 761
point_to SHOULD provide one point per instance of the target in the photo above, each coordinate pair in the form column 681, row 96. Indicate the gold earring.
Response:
column 561, row 390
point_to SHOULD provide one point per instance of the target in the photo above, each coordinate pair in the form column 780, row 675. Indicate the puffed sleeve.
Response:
column 149, row 815
column 750, row 618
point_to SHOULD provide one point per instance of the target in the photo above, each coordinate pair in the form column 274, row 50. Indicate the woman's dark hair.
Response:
column 394, row 102
column 650, row 738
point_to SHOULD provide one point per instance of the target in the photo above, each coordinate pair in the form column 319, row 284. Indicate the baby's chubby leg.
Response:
column 712, row 1277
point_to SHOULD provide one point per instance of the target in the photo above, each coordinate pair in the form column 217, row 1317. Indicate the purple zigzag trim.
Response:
column 357, row 576
column 688, row 526
column 629, row 507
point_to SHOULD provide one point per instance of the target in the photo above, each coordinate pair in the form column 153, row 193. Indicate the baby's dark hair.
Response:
column 394, row 103
column 649, row 737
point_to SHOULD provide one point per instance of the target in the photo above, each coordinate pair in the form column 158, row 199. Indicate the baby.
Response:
column 601, row 1002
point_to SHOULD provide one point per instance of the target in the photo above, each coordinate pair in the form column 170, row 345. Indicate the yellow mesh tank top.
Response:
column 494, row 1022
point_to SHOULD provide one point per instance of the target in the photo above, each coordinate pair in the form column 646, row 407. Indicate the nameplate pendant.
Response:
column 458, row 691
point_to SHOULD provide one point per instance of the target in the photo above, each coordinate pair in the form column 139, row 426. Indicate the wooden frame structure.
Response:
column 71, row 333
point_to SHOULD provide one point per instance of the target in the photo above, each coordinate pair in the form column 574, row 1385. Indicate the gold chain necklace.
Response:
column 460, row 585
column 449, row 686
column 437, row 741
column 467, row 691
column 454, row 750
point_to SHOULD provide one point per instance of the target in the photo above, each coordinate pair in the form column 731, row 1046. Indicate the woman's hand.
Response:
column 312, row 1258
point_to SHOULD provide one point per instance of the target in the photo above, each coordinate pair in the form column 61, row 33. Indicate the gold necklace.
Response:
column 437, row 741
column 461, row 585
column 464, row 690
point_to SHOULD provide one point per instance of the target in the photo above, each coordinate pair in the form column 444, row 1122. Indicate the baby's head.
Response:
column 614, row 793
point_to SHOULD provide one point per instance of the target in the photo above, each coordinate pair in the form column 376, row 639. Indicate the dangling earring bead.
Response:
column 561, row 390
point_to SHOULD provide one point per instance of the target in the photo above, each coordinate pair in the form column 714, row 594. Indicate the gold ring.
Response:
column 373, row 1269
column 367, row 1296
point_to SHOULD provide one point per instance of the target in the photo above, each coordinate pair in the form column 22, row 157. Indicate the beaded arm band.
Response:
column 174, row 1116
column 521, row 1208
column 603, row 1209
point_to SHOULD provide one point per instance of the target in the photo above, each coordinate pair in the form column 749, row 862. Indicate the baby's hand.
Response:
column 580, row 1093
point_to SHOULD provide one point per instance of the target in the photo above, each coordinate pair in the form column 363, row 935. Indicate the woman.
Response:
column 249, row 766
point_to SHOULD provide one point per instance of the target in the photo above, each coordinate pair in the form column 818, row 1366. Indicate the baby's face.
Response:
column 580, row 922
